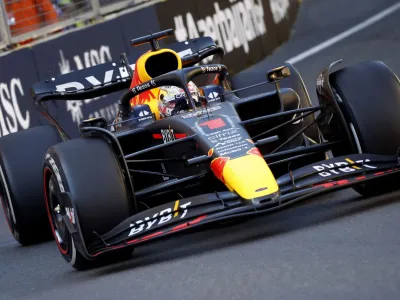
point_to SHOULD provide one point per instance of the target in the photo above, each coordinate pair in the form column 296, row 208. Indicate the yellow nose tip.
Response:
column 250, row 177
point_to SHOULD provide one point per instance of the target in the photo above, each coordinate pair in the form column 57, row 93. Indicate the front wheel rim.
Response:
column 61, row 233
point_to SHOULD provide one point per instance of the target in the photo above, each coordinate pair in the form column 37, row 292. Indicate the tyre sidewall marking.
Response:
column 356, row 139
column 8, row 197
column 57, row 172
column 46, row 178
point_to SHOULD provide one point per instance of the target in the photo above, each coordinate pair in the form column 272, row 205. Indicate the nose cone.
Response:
column 249, row 176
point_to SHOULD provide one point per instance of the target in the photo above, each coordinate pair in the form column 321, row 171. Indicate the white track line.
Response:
column 368, row 22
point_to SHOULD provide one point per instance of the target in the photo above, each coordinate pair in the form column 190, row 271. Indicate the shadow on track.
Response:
column 19, row 263
column 321, row 210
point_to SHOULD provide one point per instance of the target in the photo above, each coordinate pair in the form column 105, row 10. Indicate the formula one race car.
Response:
column 213, row 157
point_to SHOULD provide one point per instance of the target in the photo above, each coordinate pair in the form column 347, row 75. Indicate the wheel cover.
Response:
column 60, row 230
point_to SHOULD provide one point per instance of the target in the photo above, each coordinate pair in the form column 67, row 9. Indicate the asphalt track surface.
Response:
column 339, row 246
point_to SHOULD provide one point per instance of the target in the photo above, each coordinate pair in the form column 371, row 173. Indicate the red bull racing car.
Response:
column 185, row 150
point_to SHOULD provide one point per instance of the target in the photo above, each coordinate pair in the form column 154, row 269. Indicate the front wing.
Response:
column 304, row 183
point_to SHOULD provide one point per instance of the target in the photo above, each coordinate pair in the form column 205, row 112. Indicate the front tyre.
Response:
column 85, row 194
column 368, row 95
column 62, row 236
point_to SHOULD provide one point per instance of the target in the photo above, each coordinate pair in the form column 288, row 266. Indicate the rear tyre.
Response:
column 21, row 159
column 88, row 172
column 369, row 96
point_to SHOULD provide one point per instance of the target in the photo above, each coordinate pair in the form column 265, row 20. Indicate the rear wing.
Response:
column 112, row 77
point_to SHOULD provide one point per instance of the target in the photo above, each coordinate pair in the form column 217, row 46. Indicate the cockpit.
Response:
column 152, row 101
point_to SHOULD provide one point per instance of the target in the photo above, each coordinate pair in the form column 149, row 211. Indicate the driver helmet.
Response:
column 173, row 99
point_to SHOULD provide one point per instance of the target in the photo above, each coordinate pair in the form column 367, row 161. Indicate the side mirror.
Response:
column 94, row 122
column 278, row 74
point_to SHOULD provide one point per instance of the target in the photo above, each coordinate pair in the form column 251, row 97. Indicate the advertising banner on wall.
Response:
column 17, row 109
column 248, row 30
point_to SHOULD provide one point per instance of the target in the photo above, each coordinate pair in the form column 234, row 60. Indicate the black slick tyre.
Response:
column 369, row 96
column 21, row 159
column 87, row 170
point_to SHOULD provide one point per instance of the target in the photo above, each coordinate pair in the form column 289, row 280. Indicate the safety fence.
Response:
column 24, row 20
column 249, row 30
